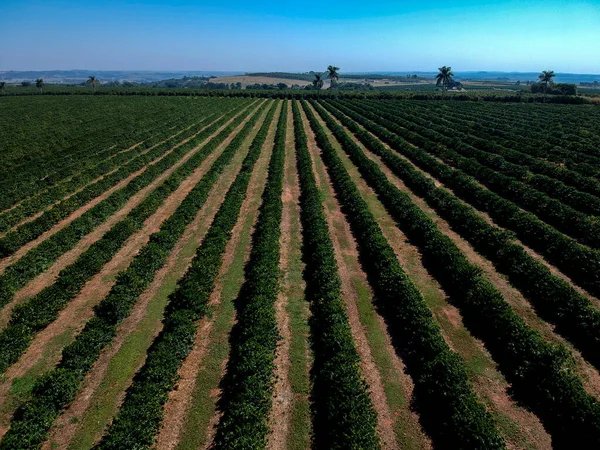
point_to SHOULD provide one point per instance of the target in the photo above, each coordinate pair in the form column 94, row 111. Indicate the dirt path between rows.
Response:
column 110, row 172
column 345, row 249
column 540, row 258
column 589, row 374
column 512, row 295
column 283, row 395
column 67, row 425
column 66, row 180
column 180, row 399
column 47, row 277
column 488, row 383
column 4, row 263
column 79, row 310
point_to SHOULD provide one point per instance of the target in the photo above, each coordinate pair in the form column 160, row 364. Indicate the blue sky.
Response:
column 268, row 35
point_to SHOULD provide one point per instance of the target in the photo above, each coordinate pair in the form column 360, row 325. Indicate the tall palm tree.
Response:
column 2, row 86
column 444, row 78
column 332, row 74
column 40, row 84
column 546, row 78
column 318, row 83
column 93, row 82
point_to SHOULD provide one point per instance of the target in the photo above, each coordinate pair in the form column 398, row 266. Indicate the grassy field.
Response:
column 186, row 272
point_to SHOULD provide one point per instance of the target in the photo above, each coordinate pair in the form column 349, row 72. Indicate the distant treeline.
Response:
column 310, row 76
column 408, row 78
column 554, row 89
column 517, row 97
column 343, row 86
column 195, row 82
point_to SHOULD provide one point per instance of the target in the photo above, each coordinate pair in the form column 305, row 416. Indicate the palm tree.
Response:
column 318, row 83
column 332, row 74
column 2, row 86
column 546, row 78
column 444, row 77
column 93, row 82
column 40, row 84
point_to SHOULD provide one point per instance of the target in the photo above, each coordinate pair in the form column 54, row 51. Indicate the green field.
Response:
column 287, row 272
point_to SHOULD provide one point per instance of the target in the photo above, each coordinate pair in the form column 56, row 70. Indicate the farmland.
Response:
column 180, row 272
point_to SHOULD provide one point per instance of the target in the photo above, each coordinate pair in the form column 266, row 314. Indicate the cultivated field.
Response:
column 248, row 80
column 195, row 272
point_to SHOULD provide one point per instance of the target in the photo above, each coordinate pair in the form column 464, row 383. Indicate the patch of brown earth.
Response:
column 49, row 276
column 553, row 269
column 180, row 398
column 490, row 386
column 79, row 310
column 541, row 259
column 64, row 181
column 589, row 374
column 283, row 395
column 66, row 425
column 78, row 213
column 345, row 247
column 38, row 214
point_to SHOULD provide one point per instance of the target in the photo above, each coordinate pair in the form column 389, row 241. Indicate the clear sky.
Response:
column 292, row 35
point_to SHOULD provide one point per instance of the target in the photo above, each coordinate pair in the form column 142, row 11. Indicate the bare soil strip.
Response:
column 67, row 180
column 513, row 296
column 46, row 278
column 521, row 428
column 357, row 294
column 84, row 421
column 290, row 413
column 190, row 417
column 540, row 258
column 79, row 310
column 553, row 269
column 589, row 374
column 4, row 263
column 66, row 197
column 65, row 222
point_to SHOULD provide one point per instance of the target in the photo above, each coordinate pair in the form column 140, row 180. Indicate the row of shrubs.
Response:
column 564, row 131
column 38, row 259
column 64, row 149
column 57, row 388
column 303, row 94
column 571, row 157
column 39, row 311
column 248, row 383
column 81, row 178
column 554, row 299
column 541, row 374
column 343, row 415
column 571, row 222
column 547, row 177
column 530, row 150
column 137, row 422
column 580, row 263
column 29, row 231
column 447, row 405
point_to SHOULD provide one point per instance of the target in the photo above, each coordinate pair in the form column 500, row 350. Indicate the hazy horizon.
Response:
column 183, row 35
